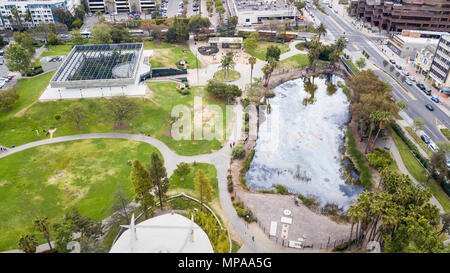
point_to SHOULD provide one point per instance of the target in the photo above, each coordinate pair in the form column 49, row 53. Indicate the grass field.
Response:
column 50, row 179
column 187, row 185
column 169, row 55
column 296, row 61
column 154, row 118
column 418, row 172
column 29, row 91
column 260, row 51
column 54, row 51
column 232, row 75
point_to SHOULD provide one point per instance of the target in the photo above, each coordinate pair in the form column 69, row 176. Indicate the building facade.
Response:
column 113, row 6
column 423, row 60
column 31, row 12
column 396, row 15
column 407, row 47
column 440, row 66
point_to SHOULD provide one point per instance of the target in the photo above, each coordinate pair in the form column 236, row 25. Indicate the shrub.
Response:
column 379, row 159
column 238, row 152
column 309, row 201
column 57, row 117
column 245, row 103
column 282, row 189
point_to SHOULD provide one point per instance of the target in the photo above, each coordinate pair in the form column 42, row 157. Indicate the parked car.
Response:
column 411, row 78
column 399, row 67
column 429, row 107
column 9, row 77
column 4, row 79
column 405, row 73
column 425, row 139
column 427, row 92
column 2, row 84
column 408, row 82
column 392, row 61
column 420, row 86
column 433, row 147
column 436, row 100
column 2, row 61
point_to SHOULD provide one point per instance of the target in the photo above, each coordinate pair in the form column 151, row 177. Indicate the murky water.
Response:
column 307, row 155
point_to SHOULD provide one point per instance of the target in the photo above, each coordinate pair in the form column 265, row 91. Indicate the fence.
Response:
column 328, row 245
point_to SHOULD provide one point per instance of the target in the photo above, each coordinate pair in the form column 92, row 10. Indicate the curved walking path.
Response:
column 220, row 159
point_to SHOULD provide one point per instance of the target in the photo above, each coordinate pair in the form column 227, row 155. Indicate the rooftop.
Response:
column 94, row 62
column 168, row 233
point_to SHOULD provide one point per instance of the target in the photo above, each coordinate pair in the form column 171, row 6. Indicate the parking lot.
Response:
column 171, row 8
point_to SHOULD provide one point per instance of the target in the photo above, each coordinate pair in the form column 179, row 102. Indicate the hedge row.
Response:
column 411, row 146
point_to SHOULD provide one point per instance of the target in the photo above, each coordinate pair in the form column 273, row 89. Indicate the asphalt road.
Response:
column 357, row 41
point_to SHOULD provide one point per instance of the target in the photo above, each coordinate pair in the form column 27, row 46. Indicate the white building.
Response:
column 168, row 233
column 407, row 47
column 121, row 5
column 440, row 67
column 40, row 11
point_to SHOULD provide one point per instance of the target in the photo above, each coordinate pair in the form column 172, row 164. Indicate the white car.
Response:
column 433, row 147
column 411, row 78
column 408, row 82
column 2, row 84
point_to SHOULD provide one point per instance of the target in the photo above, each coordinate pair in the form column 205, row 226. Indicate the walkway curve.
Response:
column 220, row 159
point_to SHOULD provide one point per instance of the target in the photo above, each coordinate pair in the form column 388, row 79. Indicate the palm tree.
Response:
column 252, row 62
column 227, row 63
column 384, row 118
column 28, row 243
column 321, row 30
column 373, row 120
column 42, row 225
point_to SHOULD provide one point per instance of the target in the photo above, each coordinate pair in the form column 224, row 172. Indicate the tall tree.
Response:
column 101, row 34
column 122, row 109
column 273, row 53
column 76, row 38
column 384, row 118
column 158, row 176
column 142, row 186
column 252, row 62
column 42, row 225
column 17, row 58
column 28, row 243
column 321, row 30
column 76, row 113
column 202, row 187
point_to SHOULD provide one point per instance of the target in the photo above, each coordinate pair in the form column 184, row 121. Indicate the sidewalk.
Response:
column 389, row 142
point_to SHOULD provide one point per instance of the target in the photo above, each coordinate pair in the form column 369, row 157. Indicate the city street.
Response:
column 416, row 99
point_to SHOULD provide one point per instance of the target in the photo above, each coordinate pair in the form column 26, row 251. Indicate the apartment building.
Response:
column 440, row 66
column 423, row 59
column 397, row 15
column 407, row 47
column 38, row 11
column 112, row 6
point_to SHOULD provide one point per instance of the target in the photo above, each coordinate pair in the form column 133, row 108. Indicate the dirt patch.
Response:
column 23, row 111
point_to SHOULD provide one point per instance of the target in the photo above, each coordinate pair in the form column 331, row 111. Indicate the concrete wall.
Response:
column 93, row 83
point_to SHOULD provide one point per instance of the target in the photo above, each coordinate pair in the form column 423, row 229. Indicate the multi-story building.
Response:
column 407, row 46
column 440, row 67
column 31, row 12
column 396, row 15
column 113, row 6
column 423, row 59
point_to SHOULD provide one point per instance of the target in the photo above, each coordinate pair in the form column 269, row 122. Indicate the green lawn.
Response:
column 154, row 118
column 446, row 133
column 169, row 55
column 296, row 61
column 260, row 51
column 48, row 180
column 188, row 182
column 232, row 75
column 29, row 91
column 54, row 51
column 418, row 172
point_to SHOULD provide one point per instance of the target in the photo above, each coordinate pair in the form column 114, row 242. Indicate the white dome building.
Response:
column 168, row 233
